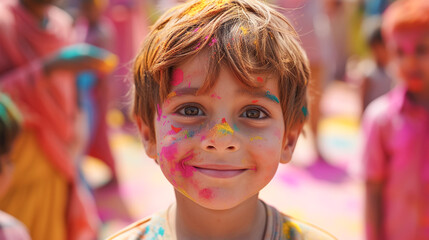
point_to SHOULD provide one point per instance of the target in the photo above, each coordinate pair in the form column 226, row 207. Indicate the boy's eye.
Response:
column 254, row 113
column 190, row 111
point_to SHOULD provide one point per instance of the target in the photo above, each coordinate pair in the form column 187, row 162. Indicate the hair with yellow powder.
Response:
column 248, row 37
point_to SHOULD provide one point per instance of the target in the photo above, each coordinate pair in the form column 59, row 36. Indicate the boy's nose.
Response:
column 224, row 144
column 220, row 139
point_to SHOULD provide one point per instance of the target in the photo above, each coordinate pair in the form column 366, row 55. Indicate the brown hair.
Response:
column 404, row 15
column 247, row 36
column 10, row 124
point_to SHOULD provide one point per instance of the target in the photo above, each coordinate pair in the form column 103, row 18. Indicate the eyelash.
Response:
column 180, row 110
column 257, row 108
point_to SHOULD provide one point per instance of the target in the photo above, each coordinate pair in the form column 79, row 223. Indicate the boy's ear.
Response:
column 291, row 137
column 149, row 146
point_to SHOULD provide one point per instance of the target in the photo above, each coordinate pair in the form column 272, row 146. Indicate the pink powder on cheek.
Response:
column 186, row 170
column 177, row 77
column 206, row 193
column 168, row 153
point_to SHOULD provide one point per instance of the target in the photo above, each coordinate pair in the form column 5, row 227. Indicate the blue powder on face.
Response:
column 305, row 111
column 272, row 97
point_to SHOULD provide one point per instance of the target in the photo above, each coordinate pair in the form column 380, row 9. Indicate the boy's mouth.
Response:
column 218, row 171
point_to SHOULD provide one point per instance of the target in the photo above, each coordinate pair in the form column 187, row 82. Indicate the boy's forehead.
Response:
column 408, row 39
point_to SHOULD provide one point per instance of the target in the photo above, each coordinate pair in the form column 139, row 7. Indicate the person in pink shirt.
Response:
column 396, row 128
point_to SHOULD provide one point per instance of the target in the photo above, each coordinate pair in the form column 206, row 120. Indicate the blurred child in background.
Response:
column 10, row 124
column 377, row 80
column 396, row 129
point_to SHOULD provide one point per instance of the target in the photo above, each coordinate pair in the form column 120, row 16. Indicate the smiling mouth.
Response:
column 220, row 172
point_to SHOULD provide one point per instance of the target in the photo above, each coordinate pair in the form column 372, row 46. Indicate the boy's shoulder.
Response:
column 382, row 108
column 284, row 227
column 279, row 227
column 153, row 227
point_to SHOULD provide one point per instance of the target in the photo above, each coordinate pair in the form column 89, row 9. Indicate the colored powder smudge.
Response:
column 291, row 230
column 198, row 46
column 213, row 42
column 186, row 170
column 182, row 191
column 272, row 97
column 215, row 96
column 159, row 112
column 259, row 79
column 244, row 30
column 196, row 8
column 196, row 30
column 161, row 231
column 219, row 3
column 235, row 127
column 172, row 94
column 177, row 77
column 254, row 101
column 223, row 128
column 304, row 111
column 168, row 153
column 206, row 193
column 174, row 130
column 256, row 138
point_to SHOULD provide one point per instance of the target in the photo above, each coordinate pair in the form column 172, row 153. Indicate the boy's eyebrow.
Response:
column 259, row 93
column 253, row 93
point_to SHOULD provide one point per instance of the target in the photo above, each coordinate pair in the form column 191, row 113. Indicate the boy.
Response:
column 220, row 100
column 397, row 132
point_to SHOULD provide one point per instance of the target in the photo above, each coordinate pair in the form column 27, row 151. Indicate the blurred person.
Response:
column 130, row 19
column 375, row 7
column 95, row 29
column 38, row 73
column 312, row 24
column 396, row 128
column 10, row 125
column 377, row 80
column 220, row 100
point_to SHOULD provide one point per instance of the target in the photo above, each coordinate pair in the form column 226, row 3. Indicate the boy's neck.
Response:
column 192, row 221
column 421, row 99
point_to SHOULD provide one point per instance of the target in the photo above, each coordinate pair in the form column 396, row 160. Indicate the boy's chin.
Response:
column 216, row 201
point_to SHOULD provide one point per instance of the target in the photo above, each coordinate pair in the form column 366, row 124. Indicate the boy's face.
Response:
column 221, row 147
column 411, row 55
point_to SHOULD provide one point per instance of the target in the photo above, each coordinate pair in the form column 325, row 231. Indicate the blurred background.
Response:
column 323, row 184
